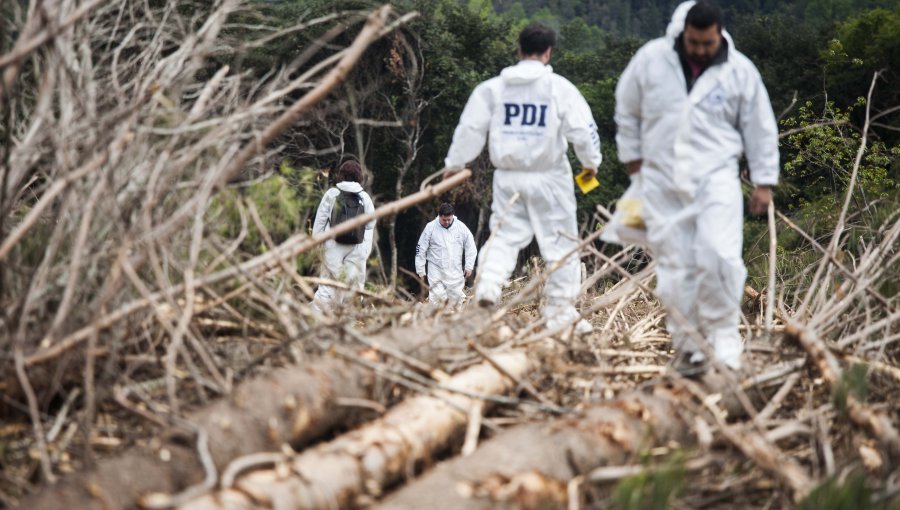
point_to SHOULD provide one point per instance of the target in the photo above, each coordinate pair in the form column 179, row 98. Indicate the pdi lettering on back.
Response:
column 526, row 114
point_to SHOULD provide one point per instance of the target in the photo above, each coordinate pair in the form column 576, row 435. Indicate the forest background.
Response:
column 817, row 59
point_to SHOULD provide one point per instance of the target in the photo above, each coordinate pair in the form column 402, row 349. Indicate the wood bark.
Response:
column 291, row 405
column 294, row 405
column 530, row 466
column 360, row 465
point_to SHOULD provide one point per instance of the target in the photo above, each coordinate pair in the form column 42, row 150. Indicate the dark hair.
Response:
column 349, row 171
column 536, row 38
column 445, row 209
column 703, row 15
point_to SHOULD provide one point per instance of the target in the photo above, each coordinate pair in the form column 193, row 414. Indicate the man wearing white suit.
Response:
column 447, row 248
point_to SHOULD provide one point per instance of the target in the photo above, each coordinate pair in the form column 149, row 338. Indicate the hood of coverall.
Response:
column 525, row 71
column 350, row 186
column 452, row 221
column 676, row 25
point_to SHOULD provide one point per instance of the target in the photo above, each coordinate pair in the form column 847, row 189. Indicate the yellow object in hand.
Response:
column 633, row 213
column 586, row 180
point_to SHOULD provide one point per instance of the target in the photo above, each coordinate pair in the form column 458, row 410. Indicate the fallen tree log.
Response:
column 360, row 465
column 294, row 405
column 530, row 466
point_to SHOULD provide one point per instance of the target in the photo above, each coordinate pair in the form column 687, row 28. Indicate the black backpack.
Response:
column 348, row 205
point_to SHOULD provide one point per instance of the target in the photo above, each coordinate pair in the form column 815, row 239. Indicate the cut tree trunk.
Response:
column 530, row 466
column 294, row 405
column 358, row 466
column 291, row 405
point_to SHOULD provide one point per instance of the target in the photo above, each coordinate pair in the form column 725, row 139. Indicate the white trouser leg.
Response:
column 510, row 232
column 437, row 292
column 676, row 287
column 455, row 294
column 343, row 263
column 721, row 270
column 700, row 274
column 671, row 230
column 355, row 268
column 551, row 207
column 557, row 236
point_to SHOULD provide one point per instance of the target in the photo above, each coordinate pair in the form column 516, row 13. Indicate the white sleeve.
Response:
column 759, row 130
column 628, row 112
column 471, row 133
column 422, row 248
column 578, row 126
column 369, row 232
column 471, row 250
column 368, row 208
column 323, row 213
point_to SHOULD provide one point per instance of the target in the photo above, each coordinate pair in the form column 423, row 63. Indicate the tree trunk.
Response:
column 530, row 466
column 294, row 405
column 392, row 239
column 482, row 221
column 360, row 465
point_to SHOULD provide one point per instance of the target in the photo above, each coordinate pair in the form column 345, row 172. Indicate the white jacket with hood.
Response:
column 336, row 253
column 444, row 249
column 531, row 114
column 693, row 134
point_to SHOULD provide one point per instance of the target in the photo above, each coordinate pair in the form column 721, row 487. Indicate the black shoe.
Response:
column 485, row 303
column 687, row 368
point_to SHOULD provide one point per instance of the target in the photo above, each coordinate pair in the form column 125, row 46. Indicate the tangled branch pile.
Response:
column 121, row 278
column 122, row 130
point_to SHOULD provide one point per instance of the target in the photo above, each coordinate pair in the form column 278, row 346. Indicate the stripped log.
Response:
column 530, row 466
column 294, row 405
column 361, row 464
column 291, row 405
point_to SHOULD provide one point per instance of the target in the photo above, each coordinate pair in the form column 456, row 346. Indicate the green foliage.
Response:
column 854, row 382
column 851, row 494
column 819, row 158
column 830, row 10
column 798, row 45
column 653, row 488
column 284, row 201
column 862, row 45
column 786, row 53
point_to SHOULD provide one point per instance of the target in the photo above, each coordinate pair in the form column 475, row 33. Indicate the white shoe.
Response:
column 583, row 327
column 487, row 295
column 728, row 347
column 566, row 318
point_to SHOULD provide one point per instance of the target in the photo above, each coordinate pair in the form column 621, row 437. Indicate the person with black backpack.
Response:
column 345, row 256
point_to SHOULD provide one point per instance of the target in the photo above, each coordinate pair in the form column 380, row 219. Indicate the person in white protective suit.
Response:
column 687, row 107
column 529, row 115
column 448, row 248
column 344, row 263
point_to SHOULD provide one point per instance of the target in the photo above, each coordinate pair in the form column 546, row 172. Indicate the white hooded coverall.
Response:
column 690, row 144
column 443, row 249
column 342, row 262
column 531, row 114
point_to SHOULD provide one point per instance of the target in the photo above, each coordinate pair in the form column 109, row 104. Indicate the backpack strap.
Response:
column 331, row 209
